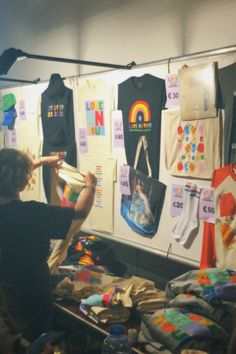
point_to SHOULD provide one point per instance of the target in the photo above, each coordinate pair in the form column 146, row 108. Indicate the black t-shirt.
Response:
column 25, row 232
column 141, row 100
column 226, row 99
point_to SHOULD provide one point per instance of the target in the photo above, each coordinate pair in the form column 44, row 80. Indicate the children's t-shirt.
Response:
column 221, row 236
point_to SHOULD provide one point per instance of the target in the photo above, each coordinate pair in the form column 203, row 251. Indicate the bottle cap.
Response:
column 132, row 335
column 117, row 329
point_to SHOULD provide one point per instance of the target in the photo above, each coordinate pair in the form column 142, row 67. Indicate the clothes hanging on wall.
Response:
column 191, row 148
column 219, row 239
column 141, row 100
column 227, row 100
column 101, row 217
column 197, row 91
column 57, row 113
column 95, row 103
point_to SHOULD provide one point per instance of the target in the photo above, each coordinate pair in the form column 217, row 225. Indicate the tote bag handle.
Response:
column 143, row 142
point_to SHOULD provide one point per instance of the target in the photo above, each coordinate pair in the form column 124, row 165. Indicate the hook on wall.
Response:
column 168, row 63
column 169, row 250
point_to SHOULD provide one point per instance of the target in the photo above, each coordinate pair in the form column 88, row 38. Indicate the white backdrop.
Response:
column 162, row 243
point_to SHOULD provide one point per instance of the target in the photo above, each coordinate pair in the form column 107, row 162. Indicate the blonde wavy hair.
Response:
column 15, row 171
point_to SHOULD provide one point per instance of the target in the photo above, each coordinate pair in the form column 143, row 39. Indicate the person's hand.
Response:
column 90, row 180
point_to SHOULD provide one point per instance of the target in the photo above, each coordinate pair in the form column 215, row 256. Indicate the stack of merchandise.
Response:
column 90, row 250
column 105, row 298
column 200, row 313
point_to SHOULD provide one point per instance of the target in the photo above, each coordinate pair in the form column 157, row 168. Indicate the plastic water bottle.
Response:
column 116, row 342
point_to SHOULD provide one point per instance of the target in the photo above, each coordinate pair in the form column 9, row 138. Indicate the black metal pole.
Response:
column 77, row 61
column 19, row 80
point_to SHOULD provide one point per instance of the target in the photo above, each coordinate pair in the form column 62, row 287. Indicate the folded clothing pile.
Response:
column 109, row 293
column 199, row 314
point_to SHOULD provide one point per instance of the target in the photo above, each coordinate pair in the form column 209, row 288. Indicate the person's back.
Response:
column 25, row 232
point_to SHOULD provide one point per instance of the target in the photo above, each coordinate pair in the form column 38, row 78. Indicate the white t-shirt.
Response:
column 95, row 104
column 101, row 217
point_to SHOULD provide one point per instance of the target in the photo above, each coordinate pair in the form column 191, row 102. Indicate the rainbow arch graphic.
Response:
column 139, row 109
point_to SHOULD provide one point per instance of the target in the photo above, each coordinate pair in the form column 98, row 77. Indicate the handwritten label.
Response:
column 206, row 207
column 22, row 114
column 124, row 180
column 176, row 200
column 12, row 142
column 172, row 90
column 117, row 129
column 83, row 141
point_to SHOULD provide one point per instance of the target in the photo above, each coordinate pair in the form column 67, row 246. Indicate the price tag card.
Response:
column 124, row 180
column 172, row 90
column 12, row 142
column 206, row 207
column 22, row 114
column 83, row 141
column 177, row 199
column 117, row 129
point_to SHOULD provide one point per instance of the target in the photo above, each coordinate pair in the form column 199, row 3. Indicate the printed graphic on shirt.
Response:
column 140, row 117
column 217, row 284
column 61, row 154
column 98, row 203
column 227, row 211
column 56, row 111
column 191, row 147
column 178, row 326
column 95, row 117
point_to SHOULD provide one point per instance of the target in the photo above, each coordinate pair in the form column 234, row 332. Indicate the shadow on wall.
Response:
column 148, row 265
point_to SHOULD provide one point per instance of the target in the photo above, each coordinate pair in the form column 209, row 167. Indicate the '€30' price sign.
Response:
column 172, row 90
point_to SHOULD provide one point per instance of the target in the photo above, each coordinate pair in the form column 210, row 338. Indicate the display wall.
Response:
column 28, row 136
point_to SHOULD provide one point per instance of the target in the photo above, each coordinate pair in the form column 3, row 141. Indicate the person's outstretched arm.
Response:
column 46, row 160
column 86, row 198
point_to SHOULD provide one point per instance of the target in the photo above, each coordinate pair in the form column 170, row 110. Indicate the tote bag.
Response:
column 142, row 208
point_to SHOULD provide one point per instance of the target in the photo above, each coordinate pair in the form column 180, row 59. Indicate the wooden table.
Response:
column 71, row 308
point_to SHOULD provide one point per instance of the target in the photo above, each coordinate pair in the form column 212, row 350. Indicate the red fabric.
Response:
column 208, row 255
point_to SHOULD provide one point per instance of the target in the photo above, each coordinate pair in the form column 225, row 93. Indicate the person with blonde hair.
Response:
column 26, row 228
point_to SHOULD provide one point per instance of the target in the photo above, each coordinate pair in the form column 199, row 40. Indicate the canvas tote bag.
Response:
column 142, row 208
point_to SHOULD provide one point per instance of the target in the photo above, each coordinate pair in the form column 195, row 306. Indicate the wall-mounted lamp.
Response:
column 9, row 56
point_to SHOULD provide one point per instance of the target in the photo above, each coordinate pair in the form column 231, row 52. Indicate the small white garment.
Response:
column 101, row 217
column 71, row 175
column 75, row 179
